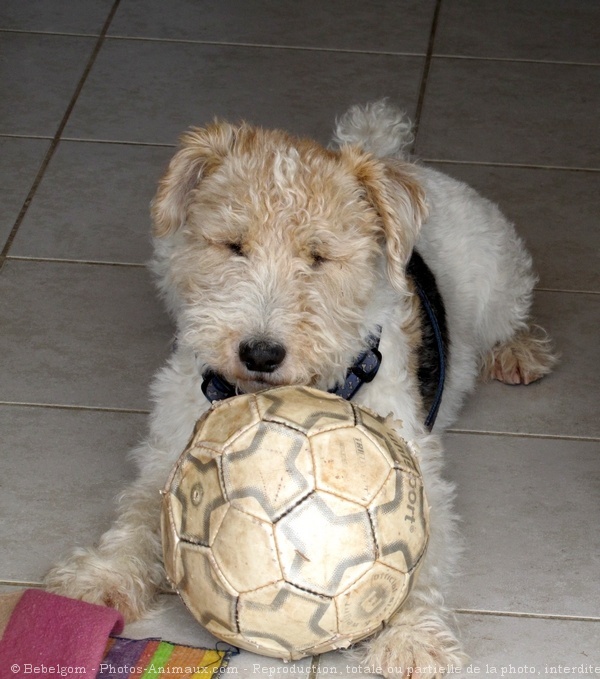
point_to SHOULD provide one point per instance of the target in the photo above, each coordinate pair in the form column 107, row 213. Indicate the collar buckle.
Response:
column 367, row 365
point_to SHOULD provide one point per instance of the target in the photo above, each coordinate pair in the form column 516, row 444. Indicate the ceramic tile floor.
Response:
column 506, row 96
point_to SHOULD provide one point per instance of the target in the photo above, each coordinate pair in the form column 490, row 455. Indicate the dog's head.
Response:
column 273, row 251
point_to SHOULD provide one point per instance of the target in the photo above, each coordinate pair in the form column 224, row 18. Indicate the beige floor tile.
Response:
column 94, row 204
column 61, row 470
column 20, row 160
column 41, row 73
column 400, row 26
column 504, row 646
column 537, row 29
column 529, row 509
column 83, row 16
column 564, row 403
column 511, row 112
column 177, row 85
column 80, row 334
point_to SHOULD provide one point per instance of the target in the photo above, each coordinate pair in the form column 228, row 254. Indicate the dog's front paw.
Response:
column 417, row 644
column 93, row 577
column 524, row 358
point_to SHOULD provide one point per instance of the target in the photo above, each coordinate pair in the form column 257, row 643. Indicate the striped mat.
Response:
column 145, row 658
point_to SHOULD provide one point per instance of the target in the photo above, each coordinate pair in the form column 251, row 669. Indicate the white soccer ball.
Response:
column 294, row 523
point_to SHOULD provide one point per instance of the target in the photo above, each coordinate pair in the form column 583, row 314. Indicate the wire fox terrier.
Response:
column 280, row 261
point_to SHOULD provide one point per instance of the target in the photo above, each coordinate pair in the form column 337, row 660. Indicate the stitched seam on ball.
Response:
column 326, row 597
column 196, row 543
column 276, row 519
column 374, row 534
column 219, row 462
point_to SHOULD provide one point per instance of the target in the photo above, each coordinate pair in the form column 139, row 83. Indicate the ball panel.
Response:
column 310, row 410
column 196, row 493
column 206, row 594
column 349, row 464
column 267, row 470
column 224, row 420
column 390, row 441
column 400, row 518
column 325, row 543
column 244, row 550
column 295, row 619
column 372, row 600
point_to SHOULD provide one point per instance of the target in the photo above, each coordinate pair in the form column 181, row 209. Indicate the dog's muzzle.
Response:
column 216, row 387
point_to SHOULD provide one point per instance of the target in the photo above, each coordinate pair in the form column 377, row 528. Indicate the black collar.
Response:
column 434, row 350
column 215, row 387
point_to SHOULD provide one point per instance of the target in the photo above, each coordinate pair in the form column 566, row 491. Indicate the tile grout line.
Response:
column 491, row 163
column 57, row 136
column 532, row 616
column 120, row 142
column 17, row 135
column 74, row 407
column 142, row 411
column 433, row 161
column 516, row 434
column 144, row 265
column 258, row 45
column 315, row 660
column 315, row 669
column 83, row 140
column 21, row 583
column 221, row 43
column 342, row 50
column 303, row 48
column 568, row 292
column 59, row 34
column 518, row 60
column 425, row 76
column 84, row 262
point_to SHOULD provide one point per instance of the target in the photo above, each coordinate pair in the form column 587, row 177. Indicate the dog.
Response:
column 280, row 261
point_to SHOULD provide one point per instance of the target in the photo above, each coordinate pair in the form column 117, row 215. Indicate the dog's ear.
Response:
column 201, row 151
column 399, row 200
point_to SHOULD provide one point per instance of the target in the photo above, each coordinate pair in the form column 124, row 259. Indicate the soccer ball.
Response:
column 294, row 523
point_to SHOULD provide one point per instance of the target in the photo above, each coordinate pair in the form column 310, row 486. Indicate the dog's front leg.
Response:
column 418, row 641
column 125, row 569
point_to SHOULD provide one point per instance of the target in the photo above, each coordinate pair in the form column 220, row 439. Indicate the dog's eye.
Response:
column 235, row 248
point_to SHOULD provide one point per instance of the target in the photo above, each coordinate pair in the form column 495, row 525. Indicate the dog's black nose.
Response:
column 261, row 356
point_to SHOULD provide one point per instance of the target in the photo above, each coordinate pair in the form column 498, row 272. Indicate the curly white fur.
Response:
column 379, row 128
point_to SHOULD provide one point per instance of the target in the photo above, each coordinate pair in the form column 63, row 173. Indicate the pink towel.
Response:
column 51, row 636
